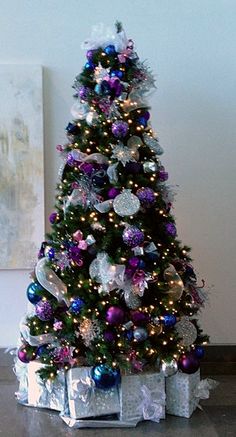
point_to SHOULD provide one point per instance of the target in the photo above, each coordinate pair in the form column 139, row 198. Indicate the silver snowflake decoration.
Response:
column 123, row 153
column 89, row 330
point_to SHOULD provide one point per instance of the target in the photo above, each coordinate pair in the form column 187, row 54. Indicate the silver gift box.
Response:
column 85, row 400
column 180, row 394
column 45, row 394
column 132, row 399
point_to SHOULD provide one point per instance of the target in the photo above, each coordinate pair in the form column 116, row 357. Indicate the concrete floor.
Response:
column 217, row 419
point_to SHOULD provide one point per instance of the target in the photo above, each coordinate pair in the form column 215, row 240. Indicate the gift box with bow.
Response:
column 142, row 397
column 85, row 400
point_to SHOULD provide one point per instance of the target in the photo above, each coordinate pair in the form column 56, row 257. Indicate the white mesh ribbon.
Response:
column 102, row 36
column 111, row 276
column 34, row 340
column 152, row 404
column 202, row 390
column 50, row 281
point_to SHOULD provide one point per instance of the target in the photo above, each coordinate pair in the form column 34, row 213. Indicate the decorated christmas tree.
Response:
column 113, row 288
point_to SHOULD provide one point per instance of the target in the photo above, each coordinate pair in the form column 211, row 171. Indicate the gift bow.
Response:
column 202, row 390
column 83, row 388
column 152, row 404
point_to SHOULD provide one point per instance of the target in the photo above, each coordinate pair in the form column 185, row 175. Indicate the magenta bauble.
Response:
column 27, row 353
column 188, row 363
column 115, row 315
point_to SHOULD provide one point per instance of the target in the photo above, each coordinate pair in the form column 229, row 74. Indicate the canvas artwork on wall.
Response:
column 21, row 165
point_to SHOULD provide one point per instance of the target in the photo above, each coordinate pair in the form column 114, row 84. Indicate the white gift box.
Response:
column 85, row 400
column 142, row 397
column 45, row 394
column 181, row 399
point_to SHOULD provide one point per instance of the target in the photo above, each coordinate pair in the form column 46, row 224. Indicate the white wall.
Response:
column 190, row 46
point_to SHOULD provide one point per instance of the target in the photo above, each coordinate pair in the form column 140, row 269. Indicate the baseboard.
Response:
column 218, row 360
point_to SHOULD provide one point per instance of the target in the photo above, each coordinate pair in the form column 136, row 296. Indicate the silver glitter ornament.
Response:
column 92, row 118
column 187, row 331
column 152, row 143
column 169, row 367
column 126, row 204
column 134, row 142
column 132, row 300
column 149, row 167
column 140, row 334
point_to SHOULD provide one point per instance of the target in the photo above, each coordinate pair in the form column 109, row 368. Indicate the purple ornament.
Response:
column 53, row 217
column 133, row 167
column 139, row 317
column 43, row 310
column 109, row 336
column 132, row 236
column 146, row 115
column 115, row 86
column 120, row 128
column 171, row 229
column 84, row 92
column 199, row 352
column 113, row 192
column 134, row 262
column 75, row 254
column 163, row 175
column 115, row 315
column 27, row 353
column 90, row 54
column 87, row 168
column 146, row 196
column 188, row 363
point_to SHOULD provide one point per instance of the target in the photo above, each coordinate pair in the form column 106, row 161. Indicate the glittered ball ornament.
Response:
column 84, row 92
column 27, row 353
column 90, row 54
column 120, row 128
column 132, row 236
column 170, row 229
column 146, row 196
column 105, row 377
column 169, row 320
column 53, row 217
column 44, row 311
column 115, row 315
column 140, row 334
column 188, row 363
column 34, row 292
column 169, row 366
column 126, row 204
column 186, row 331
column 76, row 306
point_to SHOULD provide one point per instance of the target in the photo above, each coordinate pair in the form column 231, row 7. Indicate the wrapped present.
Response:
column 21, row 372
column 85, row 400
column 45, row 394
column 142, row 397
column 181, row 397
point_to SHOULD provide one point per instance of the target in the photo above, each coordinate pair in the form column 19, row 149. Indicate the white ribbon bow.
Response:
column 102, row 36
column 152, row 404
column 202, row 390
column 83, row 389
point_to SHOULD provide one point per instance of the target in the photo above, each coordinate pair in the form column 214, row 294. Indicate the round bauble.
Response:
column 188, row 363
column 132, row 236
column 90, row 54
column 139, row 317
column 170, row 229
column 44, row 311
column 53, row 218
column 27, row 353
column 115, row 315
column 120, row 128
column 186, row 331
column 105, row 377
column 34, row 292
column 199, row 352
column 41, row 350
column 126, row 204
column 110, row 50
column 169, row 366
column 133, row 167
column 76, row 306
column 89, row 66
column 140, row 334
column 84, row 92
column 113, row 192
column 169, row 320
column 146, row 196
column 117, row 73
column 109, row 336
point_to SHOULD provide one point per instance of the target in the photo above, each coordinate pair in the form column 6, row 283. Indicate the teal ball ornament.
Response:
column 34, row 292
column 105, row 377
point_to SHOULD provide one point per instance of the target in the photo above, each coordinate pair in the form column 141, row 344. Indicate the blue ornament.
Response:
column 199, row 352
column 50, row 253
column 169, row 320
column 142, row 264
column 42, row 350
column 76, row 305
column 105, row 377
column 97, row 88
column 34, row 292
column 117, row 73
column 129, row 334
column 72, row 129
column 89, row 65
column 153, row 256
column 142, row 121
column 105, row 88
column 110, row 50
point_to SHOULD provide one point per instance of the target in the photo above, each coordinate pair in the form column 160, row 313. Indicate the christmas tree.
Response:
column 113, row 288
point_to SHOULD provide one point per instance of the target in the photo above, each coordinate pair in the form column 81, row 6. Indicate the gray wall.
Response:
column 190, row 45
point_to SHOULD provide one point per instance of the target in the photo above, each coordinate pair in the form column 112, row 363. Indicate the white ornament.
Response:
column 126, row 204
column 187, row 331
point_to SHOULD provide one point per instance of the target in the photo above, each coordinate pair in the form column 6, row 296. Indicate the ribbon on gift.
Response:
column 152, row 404
column 21, row 371
column 111, row 276
column 83, row 388
column 202, row 390
column 51, row 393
column 102, row 36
